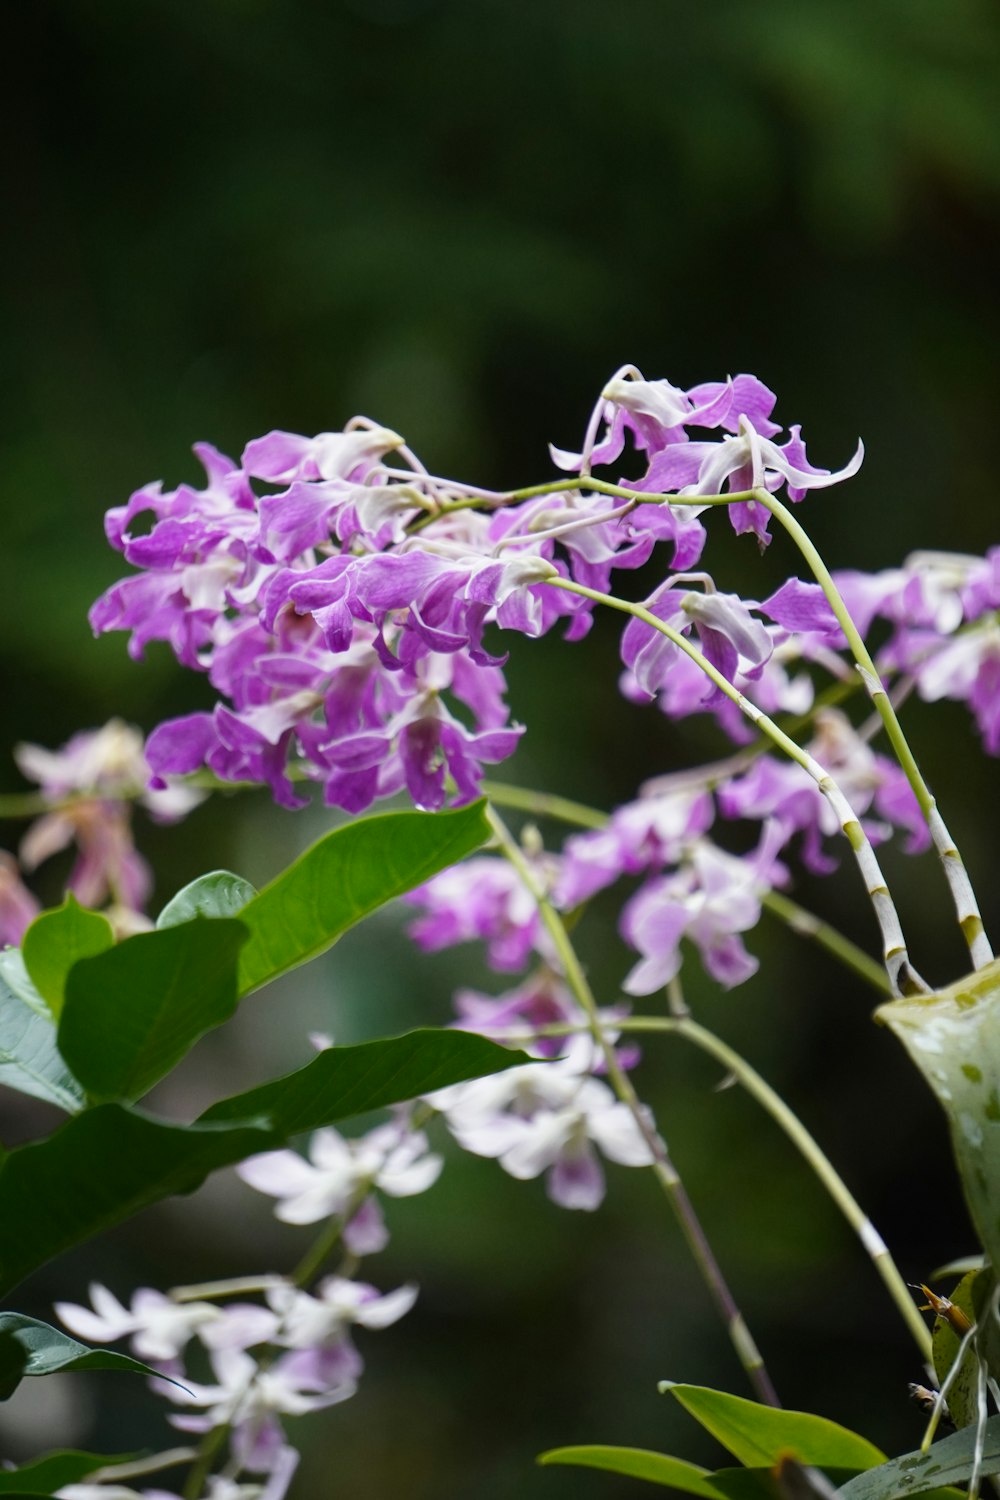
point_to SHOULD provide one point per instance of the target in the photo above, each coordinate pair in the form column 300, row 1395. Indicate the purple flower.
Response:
column 320, row 1326
column 339, row 616
column 644, row 835
column 711, row 899
column 18, row 907
column 968, row 668
column 285, row 456
column 786, row 793
column 729, row 637
column 541, row 1000
column 485, row 900
column 804, row 608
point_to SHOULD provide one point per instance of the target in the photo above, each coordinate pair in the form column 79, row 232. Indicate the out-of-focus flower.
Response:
column 646, row 834
column 319, row 1326
column 339, row 1175
column 786, row 793
column 18, row 907
column 96, row 776
column 547, row 1117
column 483, row 899
column 710, row 899
column 157, row 1326
column 246, row 1395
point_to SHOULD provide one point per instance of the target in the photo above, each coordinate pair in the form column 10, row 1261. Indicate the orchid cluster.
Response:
column 335, row 611
column 286, row 1355
column 85, row 795
column 338, row 597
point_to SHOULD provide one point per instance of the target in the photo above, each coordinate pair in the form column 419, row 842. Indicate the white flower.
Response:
column 338, row 1170
column 547, row 1117
column 308, row 1321
column 246, row 1394
column 159, row 1328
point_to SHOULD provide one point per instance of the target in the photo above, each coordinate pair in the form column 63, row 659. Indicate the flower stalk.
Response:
column 903, row 978
column 666, row 1173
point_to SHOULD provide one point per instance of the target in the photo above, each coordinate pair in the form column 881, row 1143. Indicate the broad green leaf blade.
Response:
column 56, row 940
column 16, row 977
column 948, row 1462
column 219, row 894
column 28, row 1347
column 344, row 1081
column 52, row 1472
column 29, row 1059
column 132, row 1013
column 100, row 1168
column 347, row 874
column 759, row 1436
column 638, row 1463
column 953, row 1036
column 788, row 1480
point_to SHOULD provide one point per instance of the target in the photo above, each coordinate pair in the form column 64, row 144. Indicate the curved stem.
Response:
column 902, row 976
column 664, row 1169
column 622, row 492
column 212, row 1443
column 826, row 936
column 681, row 1024
column 805, row 923
column 820, row 1163
column 966, row 907
column 544, row 805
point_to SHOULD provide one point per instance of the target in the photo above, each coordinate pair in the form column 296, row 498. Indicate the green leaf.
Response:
column 347, row 874
column 106, row 1164
column 945, row 1463
column 219, row 894
column 638, row 1463
column 959, row 1267
column 953, row 1036
column 969, row 1296
column 787, row 1480
column 29, row 1059
column 132, row 1013
column 56, row 940
column 344, row 1081
column 760, row 1436
column 28, row 1347
column 16, row 977
column 99, row 1168
column 53, row 1471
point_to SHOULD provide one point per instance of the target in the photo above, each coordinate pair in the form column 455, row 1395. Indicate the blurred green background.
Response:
column 460, row 218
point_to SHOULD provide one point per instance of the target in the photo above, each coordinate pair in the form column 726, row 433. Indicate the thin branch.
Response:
column 666, row 1173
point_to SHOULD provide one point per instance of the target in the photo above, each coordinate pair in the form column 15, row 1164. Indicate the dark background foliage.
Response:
column 459, row 218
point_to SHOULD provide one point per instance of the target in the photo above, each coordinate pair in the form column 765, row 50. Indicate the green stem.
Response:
column 902, row 976
column 820, row 1163
column 805, row 923
column 664, row 1169
column 322, row 1248
column 544, row 805
column 212, row 1443
column 27, row 804
column 622, row 492
column 872, row 1242
column 808, row 925
column 208, row 1451
column 969, row 917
